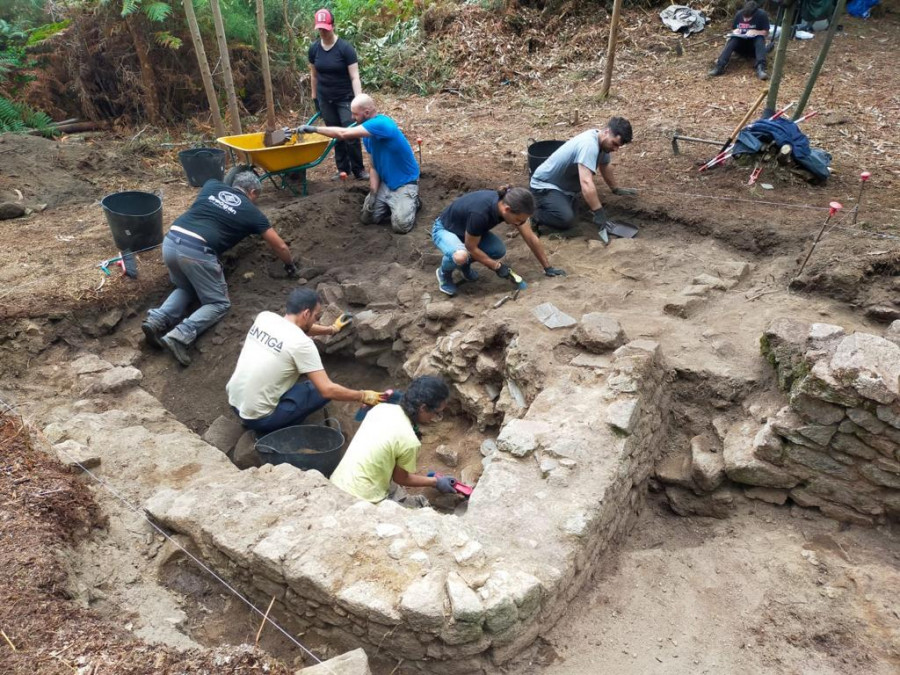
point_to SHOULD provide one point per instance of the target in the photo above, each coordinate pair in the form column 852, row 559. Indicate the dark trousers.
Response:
column 554, row 209
column 755, row 47
column 347, row 154
column 295, row 405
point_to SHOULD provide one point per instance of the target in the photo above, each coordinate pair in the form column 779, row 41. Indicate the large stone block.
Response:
column 879, row 477
column 623, row 414
column 686, row 503
column 784, row 344
column 351, row 663
column 820, row 462
column 768, row 445
column 465, row 604
column 599, row 333
column 522, row 437
column 707, row 463
column 871, row 364
column 375, row 327
column 224, row 433
column 851, row 445
column 422, row 604
column 863, row 418
column 675, row 469
column 371, row 600
column 822, row 384
column 742, row 466
column 74, row 454
column 817, row 411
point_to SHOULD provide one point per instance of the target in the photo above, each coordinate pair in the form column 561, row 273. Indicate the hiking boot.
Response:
column 151, row 335
column 468, row 273
column 361, row 175
column 716, row 70
column 761, row 73
column 179, row 350
column 445, row 282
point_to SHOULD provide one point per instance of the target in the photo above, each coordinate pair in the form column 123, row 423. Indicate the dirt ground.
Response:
column 767, row 590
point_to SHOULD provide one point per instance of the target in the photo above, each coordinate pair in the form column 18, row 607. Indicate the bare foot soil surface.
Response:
column 770, row 589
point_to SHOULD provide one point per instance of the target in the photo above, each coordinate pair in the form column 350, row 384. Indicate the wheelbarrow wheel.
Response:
column 235, row 170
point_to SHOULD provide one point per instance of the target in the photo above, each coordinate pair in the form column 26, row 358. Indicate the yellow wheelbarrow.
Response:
column 299, row 153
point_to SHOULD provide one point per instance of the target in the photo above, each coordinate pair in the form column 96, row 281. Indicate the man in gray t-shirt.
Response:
column 570, row 170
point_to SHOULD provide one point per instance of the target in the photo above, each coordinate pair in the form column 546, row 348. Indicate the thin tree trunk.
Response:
column 820, row 60
column 205, row 73
column 264, row 59
column 233, row 111
column 148, row 77
column 611, row 48
column 292, row 46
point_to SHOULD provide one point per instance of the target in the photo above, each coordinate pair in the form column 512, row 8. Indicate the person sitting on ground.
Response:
column 748, row 38
column 221, row 216
column 334, row 80
column 265, row 390
column 394, row 179
column 570, row 170
column 463, row 234
column 382, row 456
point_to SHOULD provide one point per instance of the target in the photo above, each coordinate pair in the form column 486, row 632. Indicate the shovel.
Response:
column 272, row 136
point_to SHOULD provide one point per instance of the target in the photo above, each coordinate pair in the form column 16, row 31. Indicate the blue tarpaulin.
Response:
column 861, row 8
column 781, row 131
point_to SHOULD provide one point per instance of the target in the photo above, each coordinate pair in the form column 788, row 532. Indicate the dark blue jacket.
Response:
column 752, row 137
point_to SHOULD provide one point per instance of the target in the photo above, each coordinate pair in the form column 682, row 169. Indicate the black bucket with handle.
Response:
column 538, row 151
column 306, row 446
column 201, row 164
column 135, row 219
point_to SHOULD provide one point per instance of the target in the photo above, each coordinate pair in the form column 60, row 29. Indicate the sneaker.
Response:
column 362, row 175
column 468, row 273
column 179, row 350
column 716, row 71
column 151, row 335
column 761, row 73
column 445, row 282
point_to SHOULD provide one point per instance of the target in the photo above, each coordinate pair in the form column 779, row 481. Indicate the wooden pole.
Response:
column 233, row 110
column 264, row 59
column 786, row 22
column 205, row 73
column 611, row 49
column 820, row 60
column 743, row 122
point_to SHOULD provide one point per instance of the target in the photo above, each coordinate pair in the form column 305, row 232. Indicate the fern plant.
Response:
column 19, row 118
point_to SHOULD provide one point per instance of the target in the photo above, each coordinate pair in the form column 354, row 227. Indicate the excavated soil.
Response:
column 767, row 590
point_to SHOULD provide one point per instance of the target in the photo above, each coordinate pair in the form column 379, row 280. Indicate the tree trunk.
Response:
column 292, row 46
column 233, row 111
column 264, row 59
column 148, row 77
column 611, row 49
column 205, row 73
column 820, row 60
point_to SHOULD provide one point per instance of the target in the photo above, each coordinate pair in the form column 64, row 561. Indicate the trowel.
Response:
column 623, row 230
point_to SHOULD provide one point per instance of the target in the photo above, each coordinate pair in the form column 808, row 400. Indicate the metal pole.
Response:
column 780, row 52
column 611, row 49
column 820, row 60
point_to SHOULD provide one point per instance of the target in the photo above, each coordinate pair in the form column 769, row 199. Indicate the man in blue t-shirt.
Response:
column 394, row 179
column 748, row 38
column 220, row 217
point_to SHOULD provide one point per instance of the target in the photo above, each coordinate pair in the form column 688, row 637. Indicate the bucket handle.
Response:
column 336, row 421
column 531, row 141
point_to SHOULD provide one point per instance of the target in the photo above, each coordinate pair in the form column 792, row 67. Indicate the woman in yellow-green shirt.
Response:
column 386, row 447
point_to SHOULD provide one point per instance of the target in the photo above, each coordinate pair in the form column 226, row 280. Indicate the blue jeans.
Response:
column 347, row 154
column 198, row 277
column 295, row 405
column 449, row 243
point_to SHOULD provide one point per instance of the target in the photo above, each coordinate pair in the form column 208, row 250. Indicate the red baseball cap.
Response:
column 324, row 19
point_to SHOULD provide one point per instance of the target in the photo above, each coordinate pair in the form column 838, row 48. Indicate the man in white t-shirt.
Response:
column 570, row 171
column 264, row 389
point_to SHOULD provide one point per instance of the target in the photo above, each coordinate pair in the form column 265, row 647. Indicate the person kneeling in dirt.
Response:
column 570, row 170
column 463, row 234
column 264, row 390
column 221, row 216
column 382, row 456
column 394, row 179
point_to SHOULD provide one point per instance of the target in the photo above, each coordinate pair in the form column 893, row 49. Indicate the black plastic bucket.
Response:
column 201, row 164
column 135, row 219
column 539, row 151
column 306, row 447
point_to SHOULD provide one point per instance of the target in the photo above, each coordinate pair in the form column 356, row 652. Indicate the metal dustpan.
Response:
column 623, row 230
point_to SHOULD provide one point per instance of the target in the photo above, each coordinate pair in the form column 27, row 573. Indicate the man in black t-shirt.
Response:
column 748, row 38
column 220, row 217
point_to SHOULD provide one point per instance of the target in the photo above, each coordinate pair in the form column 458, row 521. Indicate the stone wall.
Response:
column 834, row 445
column 447, row 594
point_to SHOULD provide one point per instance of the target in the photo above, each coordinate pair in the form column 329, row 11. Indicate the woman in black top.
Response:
column 334, row 78
column 463, row 234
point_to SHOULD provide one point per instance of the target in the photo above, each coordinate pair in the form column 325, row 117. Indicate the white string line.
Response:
column 738, row 199
column 143, row 515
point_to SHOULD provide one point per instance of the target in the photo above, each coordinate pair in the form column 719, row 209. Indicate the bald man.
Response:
column 394, row 178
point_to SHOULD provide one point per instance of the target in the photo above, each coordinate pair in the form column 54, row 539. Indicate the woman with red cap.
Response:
column 334, row 79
